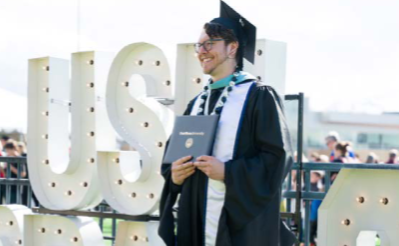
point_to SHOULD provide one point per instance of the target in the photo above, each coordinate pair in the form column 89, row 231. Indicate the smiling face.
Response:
column 219, row 61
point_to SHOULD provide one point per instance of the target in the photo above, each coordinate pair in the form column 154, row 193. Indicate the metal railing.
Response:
column 297, row 215
column 13, row 187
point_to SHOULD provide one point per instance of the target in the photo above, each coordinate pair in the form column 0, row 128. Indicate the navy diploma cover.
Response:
column 192, row 136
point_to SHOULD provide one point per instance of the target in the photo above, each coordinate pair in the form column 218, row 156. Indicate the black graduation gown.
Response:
column 253, row 178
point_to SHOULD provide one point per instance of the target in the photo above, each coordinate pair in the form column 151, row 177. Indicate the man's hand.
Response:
column 181, row 169
column 212, row 167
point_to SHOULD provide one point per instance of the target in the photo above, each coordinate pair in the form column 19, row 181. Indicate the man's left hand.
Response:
column 212, row 167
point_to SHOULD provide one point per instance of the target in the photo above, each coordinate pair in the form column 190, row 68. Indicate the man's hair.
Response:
column 215, row 30
column 5, row 137
column 10, row 146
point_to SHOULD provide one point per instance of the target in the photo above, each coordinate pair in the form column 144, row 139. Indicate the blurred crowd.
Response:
column 11, row 148
column 8, row 145
column 340, row 151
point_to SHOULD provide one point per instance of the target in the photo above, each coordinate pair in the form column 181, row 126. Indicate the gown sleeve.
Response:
column 253, row 181
column 165, row 168
column 169, row 196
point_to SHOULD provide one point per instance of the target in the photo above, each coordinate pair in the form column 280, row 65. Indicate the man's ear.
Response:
column 232, row 49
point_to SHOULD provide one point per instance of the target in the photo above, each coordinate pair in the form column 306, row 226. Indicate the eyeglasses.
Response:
column 206, row 44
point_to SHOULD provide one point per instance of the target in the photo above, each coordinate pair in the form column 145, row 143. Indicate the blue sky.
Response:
column 343, row 54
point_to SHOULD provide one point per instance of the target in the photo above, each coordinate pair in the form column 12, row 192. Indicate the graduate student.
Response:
column 233, row 196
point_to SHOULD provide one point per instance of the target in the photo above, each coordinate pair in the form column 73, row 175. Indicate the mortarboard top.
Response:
column 242, row 28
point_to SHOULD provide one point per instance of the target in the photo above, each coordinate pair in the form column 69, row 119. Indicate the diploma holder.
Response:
column 192, row 136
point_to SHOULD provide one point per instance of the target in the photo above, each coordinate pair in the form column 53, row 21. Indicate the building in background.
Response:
column 376, row 133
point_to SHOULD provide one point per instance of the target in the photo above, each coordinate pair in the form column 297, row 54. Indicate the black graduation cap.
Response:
column 242, row 28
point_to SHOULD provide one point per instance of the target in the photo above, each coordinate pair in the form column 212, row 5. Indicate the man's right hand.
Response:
column 181, row 169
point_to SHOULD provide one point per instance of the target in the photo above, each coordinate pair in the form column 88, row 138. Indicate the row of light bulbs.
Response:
column 120, row 182
column 54, row 184
column 159, row 144
column 137, row 238
column 126, row 83
column 47, row 67
column 91, row 62
column 361, row 199
column 11, row 223
column 141, row 63
column 89, row 134
column 90, row 109
column 89, row 160
column 135, row 195
column 58, row 232
column 383, row 200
